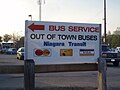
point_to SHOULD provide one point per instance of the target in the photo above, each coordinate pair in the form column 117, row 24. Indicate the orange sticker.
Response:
column 46, row 52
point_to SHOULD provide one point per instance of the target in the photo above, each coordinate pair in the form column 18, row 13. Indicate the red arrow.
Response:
column 34, row 27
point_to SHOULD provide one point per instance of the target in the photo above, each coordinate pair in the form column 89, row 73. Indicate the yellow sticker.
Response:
column 66, row 52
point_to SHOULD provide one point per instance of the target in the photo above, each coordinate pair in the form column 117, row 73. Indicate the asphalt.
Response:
column 59, row 81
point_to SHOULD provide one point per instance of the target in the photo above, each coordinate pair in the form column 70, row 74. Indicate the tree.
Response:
column 0, row 38
column 113, row 40
column 20, row 43
column 116, row 38
column 117, row 32
column 15, row 39
column 7, row 37
column 109, row 40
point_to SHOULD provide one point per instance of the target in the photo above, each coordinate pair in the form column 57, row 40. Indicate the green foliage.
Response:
column 113, row 39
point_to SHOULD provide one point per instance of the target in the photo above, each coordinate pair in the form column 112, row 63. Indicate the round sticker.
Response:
column 39, row 52
column 46, row 52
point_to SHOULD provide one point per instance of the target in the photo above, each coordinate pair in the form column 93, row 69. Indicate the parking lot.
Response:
column 66, row 79
column 10, row 60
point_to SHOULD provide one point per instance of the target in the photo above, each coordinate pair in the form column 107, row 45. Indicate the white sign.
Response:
column 61, row 42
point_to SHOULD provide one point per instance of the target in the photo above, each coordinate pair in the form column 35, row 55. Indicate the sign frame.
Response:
column 28, row 26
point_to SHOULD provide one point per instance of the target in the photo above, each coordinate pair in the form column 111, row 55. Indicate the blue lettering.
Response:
column 54, row 44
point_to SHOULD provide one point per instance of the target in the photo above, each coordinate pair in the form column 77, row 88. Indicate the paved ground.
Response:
column 69, row 80
column 10, row 60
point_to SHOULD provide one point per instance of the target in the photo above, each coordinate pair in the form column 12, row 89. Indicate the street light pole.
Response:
column 30, row 17
column 39, row 2
column 40, row 8
column 104, row 21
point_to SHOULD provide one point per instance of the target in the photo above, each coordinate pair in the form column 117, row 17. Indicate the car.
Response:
column 11, row 51
column 20, row 53
column 117, row 49
column 110, row 56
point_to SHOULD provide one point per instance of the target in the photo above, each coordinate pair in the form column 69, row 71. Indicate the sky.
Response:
column 15, row 12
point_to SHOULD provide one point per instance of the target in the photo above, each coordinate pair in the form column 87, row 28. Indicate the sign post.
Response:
column 29, row 75
column 102, row 74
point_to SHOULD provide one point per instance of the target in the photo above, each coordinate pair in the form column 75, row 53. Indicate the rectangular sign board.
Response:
column 62, row 42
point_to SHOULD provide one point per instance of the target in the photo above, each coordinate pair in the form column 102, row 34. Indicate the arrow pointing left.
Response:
column 34, row 27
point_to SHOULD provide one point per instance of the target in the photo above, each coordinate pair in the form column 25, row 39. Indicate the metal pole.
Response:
column 39, row 10
column 104, row 21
